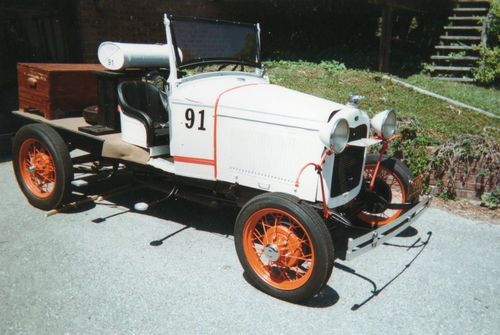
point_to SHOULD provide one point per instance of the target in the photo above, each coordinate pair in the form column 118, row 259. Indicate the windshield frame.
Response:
column 210, row 61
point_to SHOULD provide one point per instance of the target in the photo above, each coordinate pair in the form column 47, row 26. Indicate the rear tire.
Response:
column 42, row 166
column 284, row 246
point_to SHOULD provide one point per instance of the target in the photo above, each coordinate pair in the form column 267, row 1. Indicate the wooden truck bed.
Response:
column 112, row 144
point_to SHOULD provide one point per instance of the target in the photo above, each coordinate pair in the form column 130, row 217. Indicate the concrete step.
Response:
column 487, row 2
column 470, row 9
column 457, row 47
column 473, row 28
column 460, row 38
column 465, row 18
column 462, row 79
column 458, row 58
column 451, row 68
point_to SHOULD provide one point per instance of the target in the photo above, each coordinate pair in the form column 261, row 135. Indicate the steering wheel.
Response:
column 223, row 66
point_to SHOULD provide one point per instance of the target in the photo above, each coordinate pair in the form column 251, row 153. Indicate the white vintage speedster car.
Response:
column 296, row 164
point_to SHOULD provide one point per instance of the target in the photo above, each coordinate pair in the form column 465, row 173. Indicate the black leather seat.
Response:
column 143, row 102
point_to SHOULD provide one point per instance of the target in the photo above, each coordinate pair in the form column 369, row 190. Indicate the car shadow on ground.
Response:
column 327, row 297
column 218, row 221
column 375, row 290
column 119, row 191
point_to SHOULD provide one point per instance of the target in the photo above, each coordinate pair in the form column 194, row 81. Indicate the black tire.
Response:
column 303, row 277
column 330, row 264
column 403, row 177
column 51, row 144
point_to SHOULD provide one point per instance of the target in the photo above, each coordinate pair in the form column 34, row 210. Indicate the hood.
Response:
column 267, row 101
column 253, row 98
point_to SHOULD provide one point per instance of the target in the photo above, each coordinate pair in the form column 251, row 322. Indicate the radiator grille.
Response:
column 348, row 166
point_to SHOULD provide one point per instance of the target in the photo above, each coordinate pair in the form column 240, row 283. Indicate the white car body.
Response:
column 257, row 134
column 251, row 133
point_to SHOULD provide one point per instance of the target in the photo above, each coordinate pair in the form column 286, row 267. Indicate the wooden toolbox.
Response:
column 56, row 90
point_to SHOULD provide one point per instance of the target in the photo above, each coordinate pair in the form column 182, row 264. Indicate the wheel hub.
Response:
column 37, row 168
column 271, row 251
column 283, row 247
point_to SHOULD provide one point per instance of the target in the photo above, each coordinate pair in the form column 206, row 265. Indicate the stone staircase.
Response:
column 458, row 50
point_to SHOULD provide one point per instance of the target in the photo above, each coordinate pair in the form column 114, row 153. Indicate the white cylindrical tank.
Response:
column 118, row 56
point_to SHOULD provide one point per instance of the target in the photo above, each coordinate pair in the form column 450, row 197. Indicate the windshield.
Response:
column 203, row 41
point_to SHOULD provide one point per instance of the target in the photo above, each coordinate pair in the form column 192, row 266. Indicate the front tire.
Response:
column 284, row 246
column 392, row 183
column 42, row 166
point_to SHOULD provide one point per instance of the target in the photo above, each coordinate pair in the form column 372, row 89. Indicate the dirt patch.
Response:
column 469, row 210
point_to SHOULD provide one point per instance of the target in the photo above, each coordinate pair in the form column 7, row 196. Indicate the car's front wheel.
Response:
column 284, row 246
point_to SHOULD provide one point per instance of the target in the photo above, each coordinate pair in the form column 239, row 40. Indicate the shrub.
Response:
column 489, row 61
column 488, row 71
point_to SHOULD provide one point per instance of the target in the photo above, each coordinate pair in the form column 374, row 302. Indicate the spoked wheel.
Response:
column 37, row 168
column 42, row 165
column 284, row 246
column 392, row 184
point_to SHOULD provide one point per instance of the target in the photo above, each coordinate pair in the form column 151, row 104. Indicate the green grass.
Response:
column 480, row 97
column 440, row 120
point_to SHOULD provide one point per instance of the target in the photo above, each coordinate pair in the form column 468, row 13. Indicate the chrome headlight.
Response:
column 339, row 136
column 335, row 135
column 384, row 123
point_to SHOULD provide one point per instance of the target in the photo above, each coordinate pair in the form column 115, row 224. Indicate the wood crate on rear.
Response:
column 57, row 90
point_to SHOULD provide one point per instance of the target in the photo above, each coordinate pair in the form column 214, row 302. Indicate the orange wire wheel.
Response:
column 278, row 248
column 42, row 165
column 391, row 183
column 284, row 246
column 37, row 168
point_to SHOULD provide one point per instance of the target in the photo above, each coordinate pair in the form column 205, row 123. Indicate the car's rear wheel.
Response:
column 284, row 246
column 392, row 184
column 42, row 166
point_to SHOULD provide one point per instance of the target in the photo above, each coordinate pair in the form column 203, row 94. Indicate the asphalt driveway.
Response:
column 106, row 269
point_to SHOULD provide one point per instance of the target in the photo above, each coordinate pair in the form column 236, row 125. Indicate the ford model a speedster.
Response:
column 296, row 164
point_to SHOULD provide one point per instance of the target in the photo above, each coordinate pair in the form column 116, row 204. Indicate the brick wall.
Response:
column 473, row 184
column 471, row 178
column 131, row 20
column 286, row 24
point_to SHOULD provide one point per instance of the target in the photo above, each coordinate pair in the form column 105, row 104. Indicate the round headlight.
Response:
column 389, row 126
column 339, row 136
column 384, row 123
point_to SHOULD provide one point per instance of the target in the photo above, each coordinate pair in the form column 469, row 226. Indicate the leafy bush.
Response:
column 332, row 66
column 489, row 65
column 412, row 147
column 489, row 62
column 452, row 162
column 494, row 29
column 492, row 200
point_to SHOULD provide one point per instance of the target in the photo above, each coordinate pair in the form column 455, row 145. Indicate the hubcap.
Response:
column 271, row 252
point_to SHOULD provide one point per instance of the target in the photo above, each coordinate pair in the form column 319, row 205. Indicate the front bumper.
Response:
column 359, row 245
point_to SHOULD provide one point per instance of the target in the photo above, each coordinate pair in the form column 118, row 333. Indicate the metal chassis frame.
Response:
column 364, row 243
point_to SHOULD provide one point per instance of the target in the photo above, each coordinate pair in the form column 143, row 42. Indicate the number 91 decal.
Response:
column 191, row 119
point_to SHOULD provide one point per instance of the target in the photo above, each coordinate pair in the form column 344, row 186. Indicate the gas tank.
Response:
column 118, row 56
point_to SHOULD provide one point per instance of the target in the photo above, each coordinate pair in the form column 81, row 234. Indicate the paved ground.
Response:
column 95, row 271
